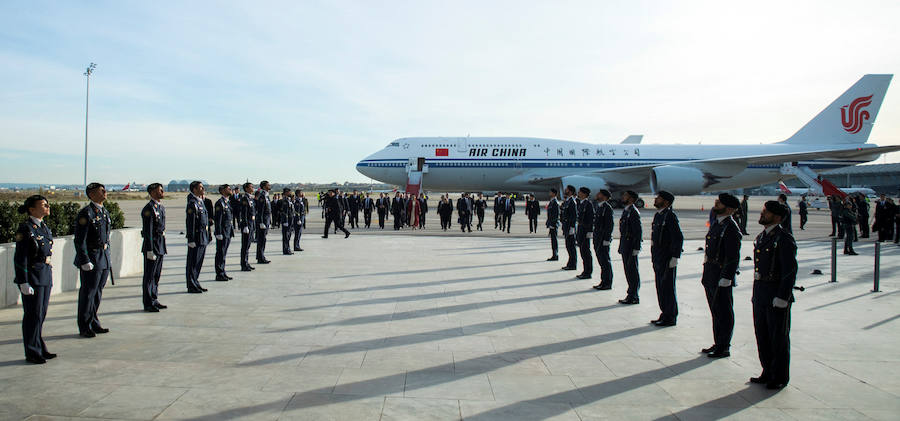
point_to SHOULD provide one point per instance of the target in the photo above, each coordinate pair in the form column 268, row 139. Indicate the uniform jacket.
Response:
column 224, row 217
column 299, row 211
column 286, row 212
column 723, row 250
column 603, row 222
column 552, row 214
column 34, row 246
column 775, row 266
column 585, row 219
column 263, row 209
column 197, row 219
column 630, row 230
column 568, row 215
column 92, row 227
column 666, row 239
column 153, row 228
column 247, row 212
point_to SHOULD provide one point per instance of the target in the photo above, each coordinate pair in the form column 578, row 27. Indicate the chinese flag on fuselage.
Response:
column 442, row 152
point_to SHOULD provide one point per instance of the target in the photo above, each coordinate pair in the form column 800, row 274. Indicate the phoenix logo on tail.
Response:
column 853, row 118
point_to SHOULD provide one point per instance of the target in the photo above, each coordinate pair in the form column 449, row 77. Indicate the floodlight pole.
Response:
column 87, row 94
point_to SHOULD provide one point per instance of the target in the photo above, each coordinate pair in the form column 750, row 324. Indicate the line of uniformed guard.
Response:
column 774, row 260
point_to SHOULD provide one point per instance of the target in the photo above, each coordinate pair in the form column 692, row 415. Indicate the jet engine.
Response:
column 591, row 182
column 677, row 180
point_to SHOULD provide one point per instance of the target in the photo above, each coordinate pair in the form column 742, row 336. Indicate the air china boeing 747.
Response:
column 834, row 138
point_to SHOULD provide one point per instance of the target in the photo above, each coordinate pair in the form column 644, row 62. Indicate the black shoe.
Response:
column 347, row 234
column 568, row 268
column 221, row 279
column 298, row 249
column 263, row 262
column 775, row 385
column 853, row 253
column 194, row 291
column 100, row 330
column 203, row 289
column 583, row 276
column 245, row 269
column 601, row 287
column 664, row 323
column 324, row 236
column 87, row 333
column 228, row 277
column 288, row 253
column 251, row 267
column 160, row 306
column 151, row 309
column 630, row 301
column 48, row 355
column 759, row 380
column 552, row 259
column 35, row 360
column 708, row 350
column 719, row 353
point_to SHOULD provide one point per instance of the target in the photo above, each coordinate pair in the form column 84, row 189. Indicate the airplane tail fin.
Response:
column 784, row 188
column 849, row 119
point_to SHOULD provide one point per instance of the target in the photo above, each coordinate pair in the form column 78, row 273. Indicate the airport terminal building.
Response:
column 883, row 178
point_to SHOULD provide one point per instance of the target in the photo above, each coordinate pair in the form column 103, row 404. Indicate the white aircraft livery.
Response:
column 834, row 138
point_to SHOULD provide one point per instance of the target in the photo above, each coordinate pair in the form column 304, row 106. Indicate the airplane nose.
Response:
column 363, row 168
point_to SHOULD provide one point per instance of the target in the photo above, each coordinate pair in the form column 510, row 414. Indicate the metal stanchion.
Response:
column 834, row 260
column 877, row 266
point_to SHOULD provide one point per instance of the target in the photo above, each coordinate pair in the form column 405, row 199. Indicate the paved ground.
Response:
column 396, row 327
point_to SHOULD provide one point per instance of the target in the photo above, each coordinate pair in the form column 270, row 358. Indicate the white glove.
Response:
column 571, row 231
column 673, row 262
column 245, row 230
column 87, row 267
column 606, row 244
column 635, row 253
column 151, row 255
column 26, row 289
column 777, row 302
column 192, row 244
column 724, row 282
column 220, row 237
column 262, row 226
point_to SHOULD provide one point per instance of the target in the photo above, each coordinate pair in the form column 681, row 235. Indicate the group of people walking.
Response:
column 850, row 218
column 584, row 220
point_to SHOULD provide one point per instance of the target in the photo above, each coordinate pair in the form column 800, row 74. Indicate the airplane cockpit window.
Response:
column 394, row 144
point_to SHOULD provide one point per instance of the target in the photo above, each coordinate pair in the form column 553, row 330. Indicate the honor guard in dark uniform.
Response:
column 802, row 210
column 774, row 275
column 333, row 214
column 720, row 264
column 744, row 211
column 630, row 239
column 224, row 230
column 92, row 257
column 568, row 216
column 197, row 219
column 666, row 241
column 584, row 231
column 480, row 206
column 263, row 220
column 848, row 219
column 34, row 276
column 153, row 229
column 383, row 205
column 603, row 231
column 287, row 215
column 246, row 217
column 553, row 224
column 299, row 218
column 862, row 210
column 368, row 206
column 786, row 223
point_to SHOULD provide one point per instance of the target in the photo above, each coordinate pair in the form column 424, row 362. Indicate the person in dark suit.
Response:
column 247, row 224
column 299, row 217
column 553, row 223
column 862, row 210
column 531, row 212
column 153, row 229
column 786, row 223
column 224, row 230
column 92, row 258
column 334, row 211
column 397, row 210
column 834, row 206
column 568, row 216
column 263, row 220
column 603, row 231
column 745, row 206
column 509, row 208
column 353, row 203
column 423, row 209
column 287, row 215
column 630, row 238
column 463, row 210
column 849, row 219
column 383, row 205
column 368, row 205
column 802, row 211
column 197, row 219
column 665, row 250
column 498, row 209
column 775, row 272
column 34, row 276
column 722, row 256
column 584, row 231
column 883, row 219
column 480, row 206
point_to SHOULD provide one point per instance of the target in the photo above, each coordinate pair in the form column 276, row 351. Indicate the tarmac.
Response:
column 443, row 326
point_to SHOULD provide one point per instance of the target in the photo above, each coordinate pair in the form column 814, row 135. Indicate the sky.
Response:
column 299, row 91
